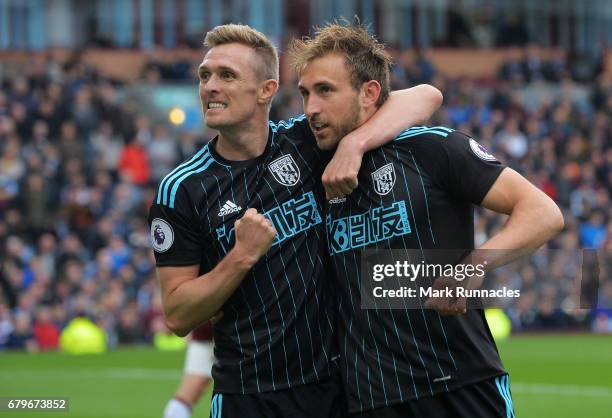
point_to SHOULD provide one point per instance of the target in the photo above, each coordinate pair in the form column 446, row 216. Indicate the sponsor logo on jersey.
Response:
column 337, row 200
column 376, row 225
column 289, row 219
column 162, row 235
column 229, row 207
column 480, row 151
column 285, row 170
column 384, row 179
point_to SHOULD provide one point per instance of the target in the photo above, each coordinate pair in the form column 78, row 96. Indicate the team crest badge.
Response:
column 162, row 235
column 285, row 170
column 384, row 179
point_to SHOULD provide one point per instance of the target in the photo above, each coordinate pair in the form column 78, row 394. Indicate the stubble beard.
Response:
column 350, row 124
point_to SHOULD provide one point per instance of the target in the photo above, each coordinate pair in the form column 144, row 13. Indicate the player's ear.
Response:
column 370, row 91
column 267, row 90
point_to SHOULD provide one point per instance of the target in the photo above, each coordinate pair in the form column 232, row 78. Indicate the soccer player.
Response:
column 196, row 376
column 416, row 192
column 238, row 228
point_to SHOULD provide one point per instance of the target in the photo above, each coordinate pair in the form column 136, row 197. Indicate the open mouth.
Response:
column 318, row 128
column 216, row 105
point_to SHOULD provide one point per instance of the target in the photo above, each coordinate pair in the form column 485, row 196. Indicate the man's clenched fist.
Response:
column 254, row 234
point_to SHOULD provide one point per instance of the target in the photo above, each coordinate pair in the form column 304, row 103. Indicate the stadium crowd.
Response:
column 79, row 164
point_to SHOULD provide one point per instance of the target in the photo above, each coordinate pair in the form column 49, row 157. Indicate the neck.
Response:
column 365, row 115
column 243, row 142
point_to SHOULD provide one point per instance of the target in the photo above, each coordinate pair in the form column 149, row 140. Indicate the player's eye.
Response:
column 324, row 89
column 304, row 93
column 226, row 75
column 204, row 75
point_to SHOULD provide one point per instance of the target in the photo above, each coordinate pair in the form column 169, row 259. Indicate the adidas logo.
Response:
column 337, row 200
column 229, row 207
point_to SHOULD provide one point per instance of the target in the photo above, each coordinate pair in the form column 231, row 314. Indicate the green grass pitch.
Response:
column 551, row 376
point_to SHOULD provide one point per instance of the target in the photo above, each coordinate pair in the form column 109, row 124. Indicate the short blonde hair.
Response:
column 365, row 57
column 246, row 35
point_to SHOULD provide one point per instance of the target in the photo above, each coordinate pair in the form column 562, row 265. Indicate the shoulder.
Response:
column 420, row 133
column 421, row 139
column 295, row 128
column 435, row 137
column 168, row 189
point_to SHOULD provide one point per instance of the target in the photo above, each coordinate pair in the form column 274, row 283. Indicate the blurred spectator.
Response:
column 555, row 68
column 422, row 70
column 35, row 204
column 593, row 232
column 130, row 328
column 134, row 163
column 107, row 145
column 162, row 153
column 83, row 112
column 45, row 331
column 6, row 326
column 513, row 68
column 533, row 67
column 11, row 162
column 511, row 141
column 71, row 146
column 21, row 337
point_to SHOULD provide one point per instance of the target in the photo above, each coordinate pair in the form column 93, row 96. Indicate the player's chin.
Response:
column 326, row 143
column 215, row 122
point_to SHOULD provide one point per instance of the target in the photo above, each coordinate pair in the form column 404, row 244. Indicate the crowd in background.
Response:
column 79, row 164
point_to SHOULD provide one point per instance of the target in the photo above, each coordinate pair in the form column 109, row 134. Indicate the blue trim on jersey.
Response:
column 423, row 127
column 163, row 186
column 207, row 161
column 507, row 387
column 503, row 386
column 415, row 131
column 216, row 406
column 285, row 124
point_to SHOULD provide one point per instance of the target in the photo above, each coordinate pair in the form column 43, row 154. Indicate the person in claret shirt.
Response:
column 45, row 331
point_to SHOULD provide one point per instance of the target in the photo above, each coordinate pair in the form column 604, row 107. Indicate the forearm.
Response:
column 196, row 301
column 403, row 109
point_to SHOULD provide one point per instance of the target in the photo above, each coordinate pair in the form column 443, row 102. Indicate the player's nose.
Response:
column 311, row 108
column 212, row 84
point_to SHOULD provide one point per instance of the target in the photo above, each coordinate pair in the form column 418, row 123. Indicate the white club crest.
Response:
column 384, row 179
column 285, row 170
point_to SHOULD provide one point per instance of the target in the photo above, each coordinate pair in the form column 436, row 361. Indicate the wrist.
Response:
column 242, row 258
column 355, row 142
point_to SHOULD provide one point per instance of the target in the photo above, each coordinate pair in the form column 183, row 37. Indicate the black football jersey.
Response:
column 417, row 192
column 277, row 328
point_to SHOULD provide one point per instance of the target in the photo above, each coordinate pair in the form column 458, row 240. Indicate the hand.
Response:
column 446, row 304
column 340, row 175
column 254, row 235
